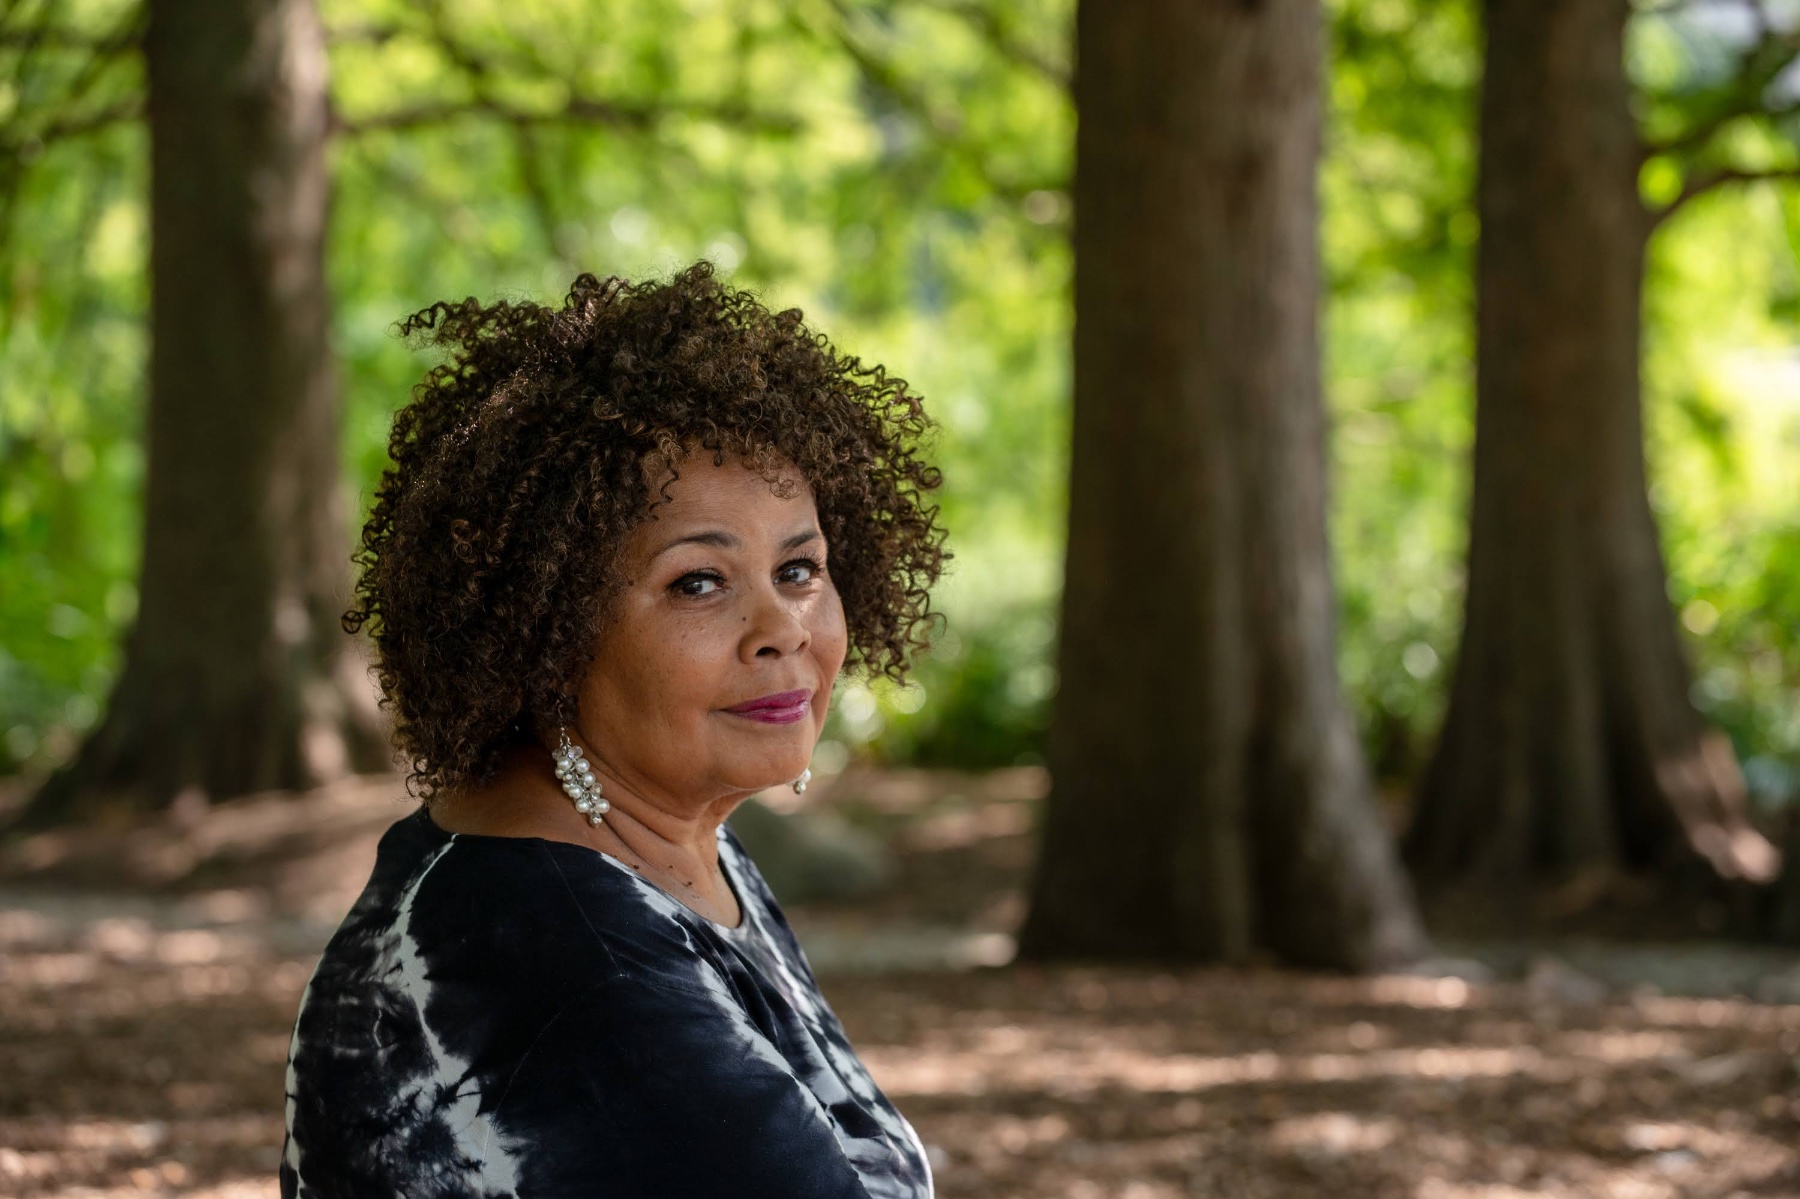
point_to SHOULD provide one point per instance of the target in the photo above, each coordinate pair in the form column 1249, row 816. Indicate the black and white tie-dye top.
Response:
column 514, row 1016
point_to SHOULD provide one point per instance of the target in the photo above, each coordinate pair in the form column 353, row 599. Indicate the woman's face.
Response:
column 714, row 673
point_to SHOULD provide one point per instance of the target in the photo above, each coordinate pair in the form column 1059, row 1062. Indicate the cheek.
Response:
column 689, row 665
column 655, row 670
column 830, row 637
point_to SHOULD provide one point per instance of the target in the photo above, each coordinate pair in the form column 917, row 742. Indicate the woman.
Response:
column 622, row 553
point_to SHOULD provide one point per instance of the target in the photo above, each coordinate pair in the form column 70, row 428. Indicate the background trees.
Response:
column 236, row 677
column 1209, row 795
column 1571, row 742
column 901, row 170
column 480, row 151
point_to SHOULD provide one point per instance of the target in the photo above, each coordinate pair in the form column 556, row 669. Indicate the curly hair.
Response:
column 524, row 460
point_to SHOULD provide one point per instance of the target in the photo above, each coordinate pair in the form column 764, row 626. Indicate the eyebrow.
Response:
column 728, row 541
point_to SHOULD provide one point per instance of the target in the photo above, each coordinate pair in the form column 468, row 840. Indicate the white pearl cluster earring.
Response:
column 577, row 778
column 799, row 784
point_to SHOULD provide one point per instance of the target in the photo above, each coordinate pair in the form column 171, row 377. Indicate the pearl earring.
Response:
column 799, row 784
column 577, row 778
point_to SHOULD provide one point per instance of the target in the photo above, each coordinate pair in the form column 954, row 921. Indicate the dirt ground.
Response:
column 149, row 976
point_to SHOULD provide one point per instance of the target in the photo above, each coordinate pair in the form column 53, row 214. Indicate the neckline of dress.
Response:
column 737, row 932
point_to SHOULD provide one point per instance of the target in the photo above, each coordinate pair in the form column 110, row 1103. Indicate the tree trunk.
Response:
column 236, row 675
column 1570, row 745
column 1209, row 794
column 1782, row 920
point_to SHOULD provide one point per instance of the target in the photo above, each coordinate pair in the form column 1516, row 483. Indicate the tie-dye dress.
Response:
column 514, row 1016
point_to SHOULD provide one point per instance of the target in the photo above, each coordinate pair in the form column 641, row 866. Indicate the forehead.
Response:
column 734, row 495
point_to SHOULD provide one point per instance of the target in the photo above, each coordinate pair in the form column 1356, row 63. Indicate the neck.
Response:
column 675, row 844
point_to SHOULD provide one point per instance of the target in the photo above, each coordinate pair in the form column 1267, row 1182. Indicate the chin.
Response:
column 773, row 757
column 771, row 779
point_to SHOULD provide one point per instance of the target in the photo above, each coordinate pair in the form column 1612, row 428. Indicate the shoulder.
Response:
column 504, row 914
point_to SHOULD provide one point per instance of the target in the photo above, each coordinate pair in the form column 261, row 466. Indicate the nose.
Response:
column 775, row 627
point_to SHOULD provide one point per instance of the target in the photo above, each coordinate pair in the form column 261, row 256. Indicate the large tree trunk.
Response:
column 1570, row 745
column 235, row 676
column 1209, row 794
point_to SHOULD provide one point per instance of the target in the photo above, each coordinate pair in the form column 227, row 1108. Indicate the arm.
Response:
column 643, row 1090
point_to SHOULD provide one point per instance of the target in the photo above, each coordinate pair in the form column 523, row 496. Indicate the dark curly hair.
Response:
column 522, row 463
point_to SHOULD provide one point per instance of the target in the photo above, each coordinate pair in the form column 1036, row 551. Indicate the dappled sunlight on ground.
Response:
column 1210, row 1082
column 144, row 1027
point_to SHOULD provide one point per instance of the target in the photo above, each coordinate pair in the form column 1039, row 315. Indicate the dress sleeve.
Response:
column 647, row 1090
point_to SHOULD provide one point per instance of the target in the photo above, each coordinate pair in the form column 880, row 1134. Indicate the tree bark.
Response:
column 1209, row 798
column 1570, row 745
column 237, row 676
column 1781, row 923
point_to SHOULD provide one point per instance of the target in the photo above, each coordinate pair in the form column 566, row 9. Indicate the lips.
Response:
column 783, row 707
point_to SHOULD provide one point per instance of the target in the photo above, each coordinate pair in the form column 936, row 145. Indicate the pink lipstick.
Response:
column 783, row 707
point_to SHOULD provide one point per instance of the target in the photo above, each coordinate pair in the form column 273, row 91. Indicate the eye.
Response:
column 810, row 568
column 696, row 584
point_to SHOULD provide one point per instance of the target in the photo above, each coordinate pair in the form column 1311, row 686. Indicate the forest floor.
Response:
column 149, row 975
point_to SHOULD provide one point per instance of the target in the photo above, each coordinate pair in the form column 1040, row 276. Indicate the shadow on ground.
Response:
column 149, row 975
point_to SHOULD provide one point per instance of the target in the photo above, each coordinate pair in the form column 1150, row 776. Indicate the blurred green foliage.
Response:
column 899, row 169
column 72, row 356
